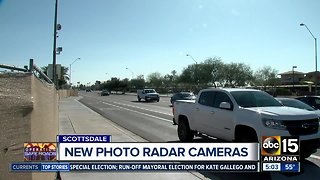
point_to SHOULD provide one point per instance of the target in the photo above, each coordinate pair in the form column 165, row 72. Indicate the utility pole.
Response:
column 55, row 44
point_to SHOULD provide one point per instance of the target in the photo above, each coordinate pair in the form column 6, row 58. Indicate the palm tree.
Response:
column 64, row 73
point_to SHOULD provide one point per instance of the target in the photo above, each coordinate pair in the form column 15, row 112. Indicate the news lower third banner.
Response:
column 98, row 153
column 158, row 152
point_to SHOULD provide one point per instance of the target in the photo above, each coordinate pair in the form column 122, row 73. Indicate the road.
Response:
column 153, row 122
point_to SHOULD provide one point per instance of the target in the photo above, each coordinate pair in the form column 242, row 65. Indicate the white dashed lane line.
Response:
column 315, row 157
column 142, row 108
column 166, row 120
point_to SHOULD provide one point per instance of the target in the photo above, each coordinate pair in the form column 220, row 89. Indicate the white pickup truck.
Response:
column 148, row 95
column 244, row 115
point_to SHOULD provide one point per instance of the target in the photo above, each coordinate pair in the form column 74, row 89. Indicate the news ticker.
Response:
column 217, row 166
column 106, row 167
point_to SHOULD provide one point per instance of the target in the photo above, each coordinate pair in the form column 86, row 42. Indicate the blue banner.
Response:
column 290, row 167
column 25, row 167
column 46, row 167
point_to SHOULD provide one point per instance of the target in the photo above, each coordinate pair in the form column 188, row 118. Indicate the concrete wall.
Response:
column 28, row 113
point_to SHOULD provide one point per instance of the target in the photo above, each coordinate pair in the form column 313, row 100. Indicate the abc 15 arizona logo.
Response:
column 280, row 145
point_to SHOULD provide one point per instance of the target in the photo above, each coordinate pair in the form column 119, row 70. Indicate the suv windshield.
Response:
column 254, row 99
column 149, row 91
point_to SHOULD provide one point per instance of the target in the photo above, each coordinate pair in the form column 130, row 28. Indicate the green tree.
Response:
column 63, row 80
column 113, row 85
column 82, row 87
column 188, row 75
column 167, row 81
column 98, row 85
column 210, row 71
column 174, row 79
column 266, row 76
column 138, row 83
column 236, row 74
column 155, row 79
column 124, row 85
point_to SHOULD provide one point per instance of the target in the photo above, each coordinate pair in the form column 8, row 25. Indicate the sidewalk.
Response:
column 75, row 118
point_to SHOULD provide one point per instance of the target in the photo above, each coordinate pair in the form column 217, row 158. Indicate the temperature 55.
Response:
column 292, row 167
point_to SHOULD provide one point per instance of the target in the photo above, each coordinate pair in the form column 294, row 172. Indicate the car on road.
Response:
column 313, row 101
column 290, row 102
column 105, row 93
column 182, row 96
column 148, row 95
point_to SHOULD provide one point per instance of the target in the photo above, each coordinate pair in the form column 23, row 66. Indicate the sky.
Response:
column 125, row 38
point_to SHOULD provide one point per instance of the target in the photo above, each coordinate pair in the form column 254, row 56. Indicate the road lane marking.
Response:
column 166, row 120
column 315, row 157
column 142, row 108
column 169, row 114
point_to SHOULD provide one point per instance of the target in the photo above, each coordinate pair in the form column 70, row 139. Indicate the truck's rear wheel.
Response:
column 139, row 99
column 185, row 134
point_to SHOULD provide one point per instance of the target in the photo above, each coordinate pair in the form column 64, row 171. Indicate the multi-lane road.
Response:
column 150, row 120
column 153, row 122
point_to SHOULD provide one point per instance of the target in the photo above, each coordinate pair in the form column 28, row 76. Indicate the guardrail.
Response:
column 14, row 68
column 32, row 68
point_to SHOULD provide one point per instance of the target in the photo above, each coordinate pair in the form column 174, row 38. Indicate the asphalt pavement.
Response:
column 75, row 118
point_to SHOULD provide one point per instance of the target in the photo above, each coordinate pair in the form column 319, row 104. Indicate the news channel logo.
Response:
column 280, row 145
column 40, row 151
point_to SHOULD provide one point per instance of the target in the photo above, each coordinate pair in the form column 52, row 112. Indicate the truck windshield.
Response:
column 254, row 99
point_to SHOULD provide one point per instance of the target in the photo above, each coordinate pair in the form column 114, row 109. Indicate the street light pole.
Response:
column 196, row 74
column 293, row 78
column 192, row 58
column 315, row 57
column 131, row 72
column 71, row 72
